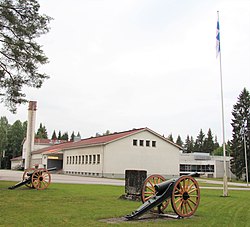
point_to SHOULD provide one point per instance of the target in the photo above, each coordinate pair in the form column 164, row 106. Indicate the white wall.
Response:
column 36, row 160
column 83, row 168
column 122, row 154
column 16, row 164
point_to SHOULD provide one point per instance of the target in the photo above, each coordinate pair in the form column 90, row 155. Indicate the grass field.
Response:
column 86, row 205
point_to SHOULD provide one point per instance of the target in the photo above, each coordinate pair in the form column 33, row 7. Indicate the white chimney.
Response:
column 30, row 136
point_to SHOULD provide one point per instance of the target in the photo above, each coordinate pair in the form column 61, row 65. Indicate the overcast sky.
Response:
column 122, row 64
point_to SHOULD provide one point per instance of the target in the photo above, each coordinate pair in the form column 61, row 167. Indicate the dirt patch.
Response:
column 144, row 218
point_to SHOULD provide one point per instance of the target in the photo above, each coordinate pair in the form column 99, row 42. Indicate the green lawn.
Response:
column 85, row 205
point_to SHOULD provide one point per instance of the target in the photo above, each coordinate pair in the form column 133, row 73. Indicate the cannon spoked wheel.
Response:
column 41, row 179
column 148, row 191
column 25, row 176
column 185, row 196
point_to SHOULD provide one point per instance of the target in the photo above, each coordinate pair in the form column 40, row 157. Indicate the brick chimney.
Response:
column 30, row 136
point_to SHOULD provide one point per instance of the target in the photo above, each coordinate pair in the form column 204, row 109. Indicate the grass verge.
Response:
column 86, row 205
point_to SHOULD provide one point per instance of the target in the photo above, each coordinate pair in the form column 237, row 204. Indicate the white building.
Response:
column 205, row 164
column 111, row 155
column 18, row 162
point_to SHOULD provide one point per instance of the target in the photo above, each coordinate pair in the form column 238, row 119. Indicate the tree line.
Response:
column 203, row 143
column 12, row 136
column 42, row 134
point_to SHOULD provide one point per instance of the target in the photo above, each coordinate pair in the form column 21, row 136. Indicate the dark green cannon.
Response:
column 35, row 178
column 183, row 192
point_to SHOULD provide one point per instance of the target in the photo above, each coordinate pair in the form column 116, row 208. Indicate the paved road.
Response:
column 11, row 175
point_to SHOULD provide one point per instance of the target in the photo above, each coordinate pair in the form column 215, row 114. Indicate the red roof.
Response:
column 95, row 141
column 106, row 138
column 89, row 141
column 48, row 141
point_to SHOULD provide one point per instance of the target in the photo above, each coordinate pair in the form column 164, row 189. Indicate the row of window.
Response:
column 196, row 168
column 143, row 143
column 84, row 159
column 83, row 173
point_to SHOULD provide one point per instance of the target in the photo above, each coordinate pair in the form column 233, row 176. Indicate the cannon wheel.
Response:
column 25, row 176
column 148, row 191
column 41, row 179
column 185, row 196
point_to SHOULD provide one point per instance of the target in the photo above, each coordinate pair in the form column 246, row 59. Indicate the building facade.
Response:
column 111, row 155
column 204, row 164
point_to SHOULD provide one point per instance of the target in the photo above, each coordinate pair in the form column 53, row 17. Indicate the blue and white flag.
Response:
column 218, row 39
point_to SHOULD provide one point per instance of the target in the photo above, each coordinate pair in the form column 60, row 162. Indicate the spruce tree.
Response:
column 179, row 141
column 199, row 143
column 189, row 144
column 59, row 135
column 42, row 132
column 241, row 134
column 170, row 137
column 54, row 137
column 209, row 143
column 65, row 136
column 216, row 144
column 72, row 136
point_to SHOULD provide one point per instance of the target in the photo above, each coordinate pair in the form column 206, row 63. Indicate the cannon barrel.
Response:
column 161, row 187
column 51, row 169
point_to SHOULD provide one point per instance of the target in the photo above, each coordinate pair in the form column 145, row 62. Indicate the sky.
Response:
column 122, row 64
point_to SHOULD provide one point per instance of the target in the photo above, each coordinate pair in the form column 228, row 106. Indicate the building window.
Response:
column 94, row 159
column 134, row 142
column 196, row 168
column 76, row 159
column 79, row 159
column 82, row 159
column 73, row 159
column 67, row 159
column 90, row 159
column 141, row 143
column 86, row 159
column 70, row 160
column 147, row 143
column 153, row 143
column 98, row 159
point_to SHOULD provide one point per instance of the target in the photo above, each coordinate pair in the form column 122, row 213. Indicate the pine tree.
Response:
column 216, row 144
column 65, row 136
column 59, row 135
column 170, row 138
column 179, row 141
column 209, row 143
column 54, row 137
column 199, row 143
column 20, row 54
column 72, row 136
column 42, row 132
column 189, row 144
column 241, row 134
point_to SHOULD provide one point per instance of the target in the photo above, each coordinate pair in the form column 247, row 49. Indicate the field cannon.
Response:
column 156, row 194
column 35, row 178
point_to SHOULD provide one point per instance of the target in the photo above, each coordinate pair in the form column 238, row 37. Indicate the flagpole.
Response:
column 225, row 188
